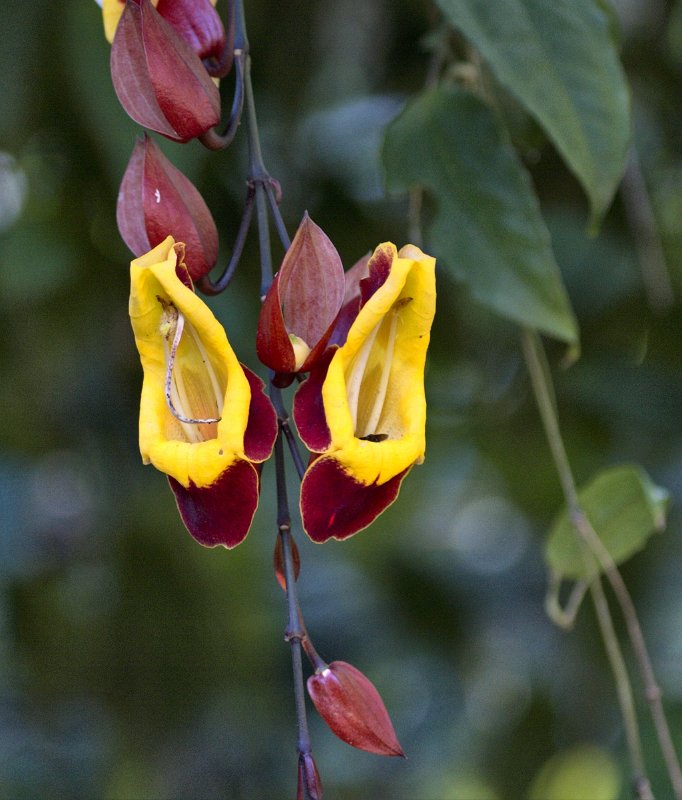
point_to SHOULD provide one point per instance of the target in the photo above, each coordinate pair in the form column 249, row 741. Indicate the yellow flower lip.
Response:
column 373, row 394
column 205, row 381
column 363, row 409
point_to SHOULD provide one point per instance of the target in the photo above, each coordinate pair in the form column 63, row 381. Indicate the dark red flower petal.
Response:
column 379, row 267
column 308, row 409
column 220, row 514
column 352, row 707
column 335, row 506
column 351, row 301
column 261, row 428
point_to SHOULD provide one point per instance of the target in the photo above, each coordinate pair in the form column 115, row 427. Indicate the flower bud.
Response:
column 159, row 80
column 299, row 310
column 309, row 783
column 350, row 704
column 156, row 200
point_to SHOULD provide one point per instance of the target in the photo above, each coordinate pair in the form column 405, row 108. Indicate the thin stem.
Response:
column 209, row 287
column 274, row 200
column 295, row 633
column 219, row 141
column 539, row 376
column 283, row 417
column 623, row 688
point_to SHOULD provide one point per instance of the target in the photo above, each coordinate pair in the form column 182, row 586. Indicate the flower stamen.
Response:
column 380, row 397
column 173, row 325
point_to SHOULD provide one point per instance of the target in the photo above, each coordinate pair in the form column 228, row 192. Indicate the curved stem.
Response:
column 210, row 287
column 542, row 387
column 274, row 199
column 219, row 141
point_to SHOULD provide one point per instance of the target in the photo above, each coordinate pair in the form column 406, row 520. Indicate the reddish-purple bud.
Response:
column 350, row 704
column 278, row 562
column 160, row 81
column 309, row 783
column 156, row 200
column 299, row 310
column 199, row 25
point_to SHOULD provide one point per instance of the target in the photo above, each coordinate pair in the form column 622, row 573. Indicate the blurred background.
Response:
column 135, row 665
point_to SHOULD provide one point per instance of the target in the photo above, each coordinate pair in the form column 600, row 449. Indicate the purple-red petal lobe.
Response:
column 308, row 408
column 261, row 428
column 334, row 505
column 220, row 514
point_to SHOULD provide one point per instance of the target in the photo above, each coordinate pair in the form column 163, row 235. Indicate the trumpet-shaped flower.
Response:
column 204, row 419
column 363, row 411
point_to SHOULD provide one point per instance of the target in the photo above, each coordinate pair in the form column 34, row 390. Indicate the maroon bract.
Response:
column 299, row 310
column 155, row 200
column 352, row 707
column 159, row 80
column 199, row 25
column 309, row 783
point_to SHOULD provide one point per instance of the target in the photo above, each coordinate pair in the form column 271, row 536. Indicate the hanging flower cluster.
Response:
column 355, row 342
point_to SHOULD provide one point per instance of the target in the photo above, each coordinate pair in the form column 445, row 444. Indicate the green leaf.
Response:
column 488, row 229
column 560, row 59
column 625, row 508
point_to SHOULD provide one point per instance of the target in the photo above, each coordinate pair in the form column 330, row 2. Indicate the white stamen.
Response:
column 357, row 371
column 157, row 195
column 175, row 390
column 378, row 405
column 215, row 385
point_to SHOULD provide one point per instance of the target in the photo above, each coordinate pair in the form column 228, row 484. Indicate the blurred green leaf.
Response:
column 624, row 506
column 560, row 60
column 584, row 772
column 488, row 228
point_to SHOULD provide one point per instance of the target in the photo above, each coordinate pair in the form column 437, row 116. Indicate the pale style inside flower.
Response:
column 368, row 378
column 194, row 390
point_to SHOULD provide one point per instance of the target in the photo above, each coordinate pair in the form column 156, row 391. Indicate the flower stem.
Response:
column 544, row 396
column 264, row 188
column 295, row 631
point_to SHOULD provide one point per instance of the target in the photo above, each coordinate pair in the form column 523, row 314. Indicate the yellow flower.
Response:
column 204, row 420
column 365, row 413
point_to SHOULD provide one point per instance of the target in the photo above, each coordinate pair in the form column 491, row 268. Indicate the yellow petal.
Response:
column 375, row 383
column 206, row 366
